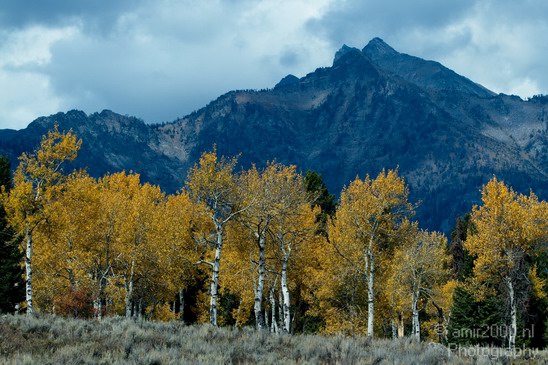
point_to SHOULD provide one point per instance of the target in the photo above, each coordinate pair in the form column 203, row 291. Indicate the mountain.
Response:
column 373, row 108
column 111, row 142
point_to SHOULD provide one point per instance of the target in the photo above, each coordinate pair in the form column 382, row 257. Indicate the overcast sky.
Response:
column 161, row 59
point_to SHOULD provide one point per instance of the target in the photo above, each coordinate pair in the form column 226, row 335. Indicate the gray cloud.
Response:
column 98, row 15
column 162, row 59
column 499, row 44
column 358, row 21
column 157, row 60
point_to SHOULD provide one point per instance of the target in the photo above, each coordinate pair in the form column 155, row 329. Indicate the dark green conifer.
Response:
column 11, row 282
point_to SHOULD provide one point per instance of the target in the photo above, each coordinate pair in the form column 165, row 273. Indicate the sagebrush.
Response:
column 116, row 340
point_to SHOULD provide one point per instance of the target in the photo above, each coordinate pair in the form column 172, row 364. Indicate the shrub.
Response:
column 74, row 303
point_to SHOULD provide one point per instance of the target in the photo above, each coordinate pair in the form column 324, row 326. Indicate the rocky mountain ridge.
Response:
column 373, row 108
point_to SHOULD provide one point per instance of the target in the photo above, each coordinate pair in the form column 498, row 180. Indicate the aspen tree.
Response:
column 112, row 212
column 338, row 291
column 212, row 183
column 179, row 251
column 399, row 300
column 508, row 229
column 38, row 178
column 420, row 267
column 62, row 258
column 257, row 220
column 370, row 212
column 269, row 191
column 126, row 254
column 293, row 225
column 137, row 254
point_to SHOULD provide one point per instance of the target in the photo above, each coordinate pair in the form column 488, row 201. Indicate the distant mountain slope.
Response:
column 372, row 109
column 112, row 142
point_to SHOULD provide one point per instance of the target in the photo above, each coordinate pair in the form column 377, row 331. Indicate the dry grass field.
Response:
column 56, row 340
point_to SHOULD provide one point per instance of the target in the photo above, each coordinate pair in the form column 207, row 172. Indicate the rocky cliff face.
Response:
column 372, row 109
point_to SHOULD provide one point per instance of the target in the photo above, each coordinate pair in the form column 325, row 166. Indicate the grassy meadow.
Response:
column 115, row 340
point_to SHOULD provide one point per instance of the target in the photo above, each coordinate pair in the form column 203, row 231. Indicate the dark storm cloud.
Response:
column 98, row 14
column 161, row 59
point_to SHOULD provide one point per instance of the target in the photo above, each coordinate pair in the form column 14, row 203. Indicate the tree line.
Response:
column 269, row 247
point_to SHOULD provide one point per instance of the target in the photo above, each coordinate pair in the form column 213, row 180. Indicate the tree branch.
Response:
column 200, row 262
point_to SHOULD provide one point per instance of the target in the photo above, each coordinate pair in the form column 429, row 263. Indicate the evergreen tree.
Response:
column 471, row 318
column 11, row 281
column 321, row 197
column 314, row 184
column 476, row 322
column 463, row 263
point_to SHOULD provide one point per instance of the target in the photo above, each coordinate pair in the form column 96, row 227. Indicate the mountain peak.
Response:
column 379, row 47
column 344, row 50
column 288, row 80
column 429, row 75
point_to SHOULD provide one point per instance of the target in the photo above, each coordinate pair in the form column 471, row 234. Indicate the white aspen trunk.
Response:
column 513, row 315
column 447, row 321
column 28, row 267
column 286, row 298
column 273, row 307
column 259, row 319
column 181, row 304
column 129, row 291
column 96, row 308
column 395, row 321
column 214, row 288
column 401, row 326
column 280, row 312
column 140, row 308
column 370, row 289
column 99, row 309
column 97, row 303
column 102, row 272
column 265, row 316
column 416, row 327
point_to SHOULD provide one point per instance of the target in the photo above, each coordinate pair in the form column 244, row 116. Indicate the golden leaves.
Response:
column 538, row 284
column 117, row 230
column 211, row 182
column 507, row 227
column 38, row 178
column 114, row 230
column 370, row 220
